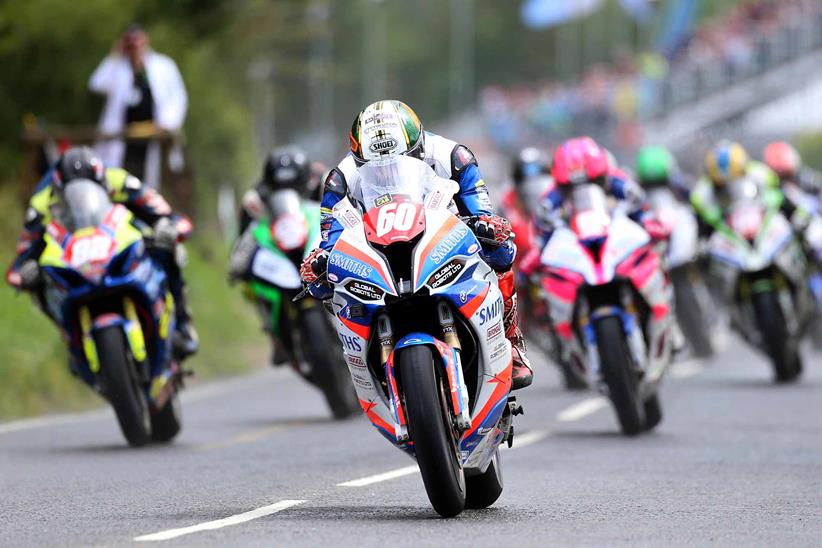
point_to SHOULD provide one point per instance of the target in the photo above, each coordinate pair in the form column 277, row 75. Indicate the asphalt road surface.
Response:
column 737, row 460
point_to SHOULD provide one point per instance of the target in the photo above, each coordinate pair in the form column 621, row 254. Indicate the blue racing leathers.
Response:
column 449, row 160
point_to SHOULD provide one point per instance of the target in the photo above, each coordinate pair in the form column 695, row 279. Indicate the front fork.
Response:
column 456, row 381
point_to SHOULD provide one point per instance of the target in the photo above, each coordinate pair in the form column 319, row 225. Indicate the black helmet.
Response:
column 530, row 162
column 286, row 167
column 78, row 163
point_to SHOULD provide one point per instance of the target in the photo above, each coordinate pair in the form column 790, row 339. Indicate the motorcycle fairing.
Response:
column 473, row 291
column 147, row 318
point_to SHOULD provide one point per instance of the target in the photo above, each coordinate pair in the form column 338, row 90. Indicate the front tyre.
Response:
column 322, row 350
column 121, row 387
column 690, row 312
column 483, row 490
column 781, row 346
column 429, row 425
column 618, row 372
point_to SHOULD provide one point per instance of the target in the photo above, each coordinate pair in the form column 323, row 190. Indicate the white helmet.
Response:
column 386, row 128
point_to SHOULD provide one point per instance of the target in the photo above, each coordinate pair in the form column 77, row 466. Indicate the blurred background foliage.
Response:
column 48, row 49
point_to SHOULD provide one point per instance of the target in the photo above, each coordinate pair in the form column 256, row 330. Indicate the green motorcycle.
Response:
column 301, row 332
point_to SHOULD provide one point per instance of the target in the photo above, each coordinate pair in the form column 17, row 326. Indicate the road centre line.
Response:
column 520, row 441
column 582, row 409
column 220, row 523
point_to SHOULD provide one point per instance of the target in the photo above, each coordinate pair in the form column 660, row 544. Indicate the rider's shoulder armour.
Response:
column 335, row 183
column 461, row 158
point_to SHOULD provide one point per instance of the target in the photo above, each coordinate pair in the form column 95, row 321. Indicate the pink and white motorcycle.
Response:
column 610, row 305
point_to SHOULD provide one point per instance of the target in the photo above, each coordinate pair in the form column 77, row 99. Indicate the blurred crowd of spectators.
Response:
column 609, row 101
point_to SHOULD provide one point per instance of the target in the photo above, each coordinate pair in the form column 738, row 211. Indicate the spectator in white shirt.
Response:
column 145, row 94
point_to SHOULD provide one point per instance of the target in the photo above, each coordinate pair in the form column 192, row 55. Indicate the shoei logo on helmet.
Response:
column 383, row 145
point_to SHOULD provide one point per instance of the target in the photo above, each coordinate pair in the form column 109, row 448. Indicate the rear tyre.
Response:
column 781, row 346
column 429, row 426
column 330, row 373
column 691, row 314
column 653, row 412
column 618, row 373
column 121, row 387
column 483, row 490
column 166, row 423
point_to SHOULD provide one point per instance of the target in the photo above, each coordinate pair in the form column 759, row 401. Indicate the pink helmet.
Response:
column 579, row 160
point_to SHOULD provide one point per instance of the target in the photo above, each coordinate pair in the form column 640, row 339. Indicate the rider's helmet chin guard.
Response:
column 386, row 128
column 783, row 159
column 579, row 161
column 726, row 162
column 78, row 163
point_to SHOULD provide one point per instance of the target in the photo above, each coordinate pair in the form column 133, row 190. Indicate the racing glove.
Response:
column 313, row 272
column 31, row 275
column 314, row 267
column 655, row 229
column 491, row 230
column 165, row 234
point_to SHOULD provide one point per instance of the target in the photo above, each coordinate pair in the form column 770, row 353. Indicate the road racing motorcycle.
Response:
column 114, row 308
column 301, row 331
column 419, row 314
column 762, row 271
column 610, row 305
column 681, row 258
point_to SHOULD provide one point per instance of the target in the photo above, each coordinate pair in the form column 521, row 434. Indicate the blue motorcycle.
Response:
column 111, row 301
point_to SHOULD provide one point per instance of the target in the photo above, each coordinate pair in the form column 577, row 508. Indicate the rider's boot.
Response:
column 522, row 374
column 185, row 341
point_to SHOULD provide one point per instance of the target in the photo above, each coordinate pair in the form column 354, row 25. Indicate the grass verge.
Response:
column 34, row 376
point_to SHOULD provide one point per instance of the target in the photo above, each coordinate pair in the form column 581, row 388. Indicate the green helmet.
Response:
column 655, row 166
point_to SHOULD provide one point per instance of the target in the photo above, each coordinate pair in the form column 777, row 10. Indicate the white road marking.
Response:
column 520, row 441
column 50, row 420
column 220, row 523
column 582, row 409
column 385, row 476
column 685, row 369
column 526, row 439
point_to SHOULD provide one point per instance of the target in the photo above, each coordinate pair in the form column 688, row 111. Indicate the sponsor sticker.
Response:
column 447, row 273
column 365, row 291
column 448, row 243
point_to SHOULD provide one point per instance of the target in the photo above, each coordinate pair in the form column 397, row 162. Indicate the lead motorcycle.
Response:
column 763, row 273
column 113, row 305
column 420, row 317
column 302, row 332
column 681, row 256
column 610, row 306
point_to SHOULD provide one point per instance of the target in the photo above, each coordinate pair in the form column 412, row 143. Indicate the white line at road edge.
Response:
column 582, row 409
column 520, row 441
column 220, row 523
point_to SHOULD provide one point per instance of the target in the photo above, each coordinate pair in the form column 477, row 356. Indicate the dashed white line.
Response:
column 220, row 523
column 582, row 409
column 520, row 441
column 385, row 476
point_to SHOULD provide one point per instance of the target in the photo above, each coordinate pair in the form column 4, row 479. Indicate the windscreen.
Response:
column 381, row 180
column 742, row 191
column 590, row 216
column 85, row 204
column 283, row 201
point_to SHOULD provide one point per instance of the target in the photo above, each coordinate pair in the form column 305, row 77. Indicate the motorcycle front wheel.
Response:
column 429, row 427
column 617, row 371
column 782, row 347
column 121, row 387
column 329, row 372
